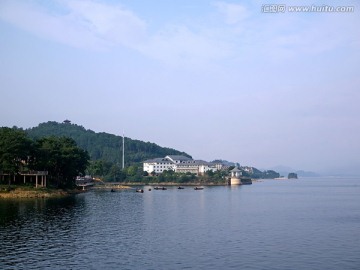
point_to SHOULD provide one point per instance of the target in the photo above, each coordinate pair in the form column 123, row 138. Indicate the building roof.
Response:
column 236, row 169
column 158, row 160
column 178, row 157
column 193, row 163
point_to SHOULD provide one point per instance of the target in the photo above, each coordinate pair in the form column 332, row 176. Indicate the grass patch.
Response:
column 12, row 191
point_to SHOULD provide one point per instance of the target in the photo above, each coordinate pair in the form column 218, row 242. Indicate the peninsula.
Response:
column 51, row 156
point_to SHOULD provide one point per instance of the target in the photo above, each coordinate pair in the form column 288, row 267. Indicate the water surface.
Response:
column 293, row 224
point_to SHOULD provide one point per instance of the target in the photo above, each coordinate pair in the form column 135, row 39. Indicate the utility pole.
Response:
column 123, row 151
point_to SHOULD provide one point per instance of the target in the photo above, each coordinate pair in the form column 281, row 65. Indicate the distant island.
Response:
column 292, row 176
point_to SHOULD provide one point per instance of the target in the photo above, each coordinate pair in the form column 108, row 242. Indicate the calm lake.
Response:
column 272, row 224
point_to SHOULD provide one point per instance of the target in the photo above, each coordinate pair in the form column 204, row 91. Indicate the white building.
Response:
column 235, row 176
column 158, row 165
column 198, row 167
column 180, row 164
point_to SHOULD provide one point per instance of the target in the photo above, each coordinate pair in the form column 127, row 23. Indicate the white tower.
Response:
column 235, row 176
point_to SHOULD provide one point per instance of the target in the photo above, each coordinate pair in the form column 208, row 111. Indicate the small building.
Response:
column 235, row 176
column 208, row 166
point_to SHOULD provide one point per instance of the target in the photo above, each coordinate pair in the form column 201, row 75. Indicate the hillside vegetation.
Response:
column 103, row 146
column 105, row 150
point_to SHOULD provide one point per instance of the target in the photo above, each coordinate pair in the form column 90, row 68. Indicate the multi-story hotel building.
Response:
column 181, row 164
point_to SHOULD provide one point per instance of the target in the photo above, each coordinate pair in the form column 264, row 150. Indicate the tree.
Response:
column 132, row 170
column 210, row 173
column 184, row 178
column 62, row 159
column 99, row 168
column 116, row 174
column 15, row 150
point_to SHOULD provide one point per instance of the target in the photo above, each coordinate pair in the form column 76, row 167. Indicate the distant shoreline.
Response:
column 172, row 184
column 15, row 192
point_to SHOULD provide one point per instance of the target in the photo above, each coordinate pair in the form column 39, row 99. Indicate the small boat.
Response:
column 140, row 190
column 198, row 188
column 160, row 188
column 112, row 190
column 181, row 188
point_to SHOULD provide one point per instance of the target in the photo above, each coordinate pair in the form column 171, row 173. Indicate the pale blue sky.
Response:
column 217, row 79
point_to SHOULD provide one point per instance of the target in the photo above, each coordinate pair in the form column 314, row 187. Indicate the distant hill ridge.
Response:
column 284, row 171
column 103, row 146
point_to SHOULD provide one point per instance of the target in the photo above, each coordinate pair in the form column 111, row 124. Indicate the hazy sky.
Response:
column 215, row 79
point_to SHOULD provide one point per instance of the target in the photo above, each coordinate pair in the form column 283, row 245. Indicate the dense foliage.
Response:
column 15, row 148
column 60, row 156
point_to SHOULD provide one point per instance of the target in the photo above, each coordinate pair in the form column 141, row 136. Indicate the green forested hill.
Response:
column 103, row 146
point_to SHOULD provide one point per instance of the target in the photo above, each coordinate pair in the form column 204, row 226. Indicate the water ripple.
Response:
column 269, row 225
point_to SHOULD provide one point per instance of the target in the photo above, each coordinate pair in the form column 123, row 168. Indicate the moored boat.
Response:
column 160, row 188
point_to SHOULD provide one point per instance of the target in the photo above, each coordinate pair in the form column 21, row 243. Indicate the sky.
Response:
column 216, row 79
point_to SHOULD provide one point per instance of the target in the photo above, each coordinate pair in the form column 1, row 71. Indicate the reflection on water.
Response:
column 23, row 210
column 31, row 230
column 299, row 224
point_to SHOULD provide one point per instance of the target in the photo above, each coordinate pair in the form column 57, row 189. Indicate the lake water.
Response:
column 287, row 224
